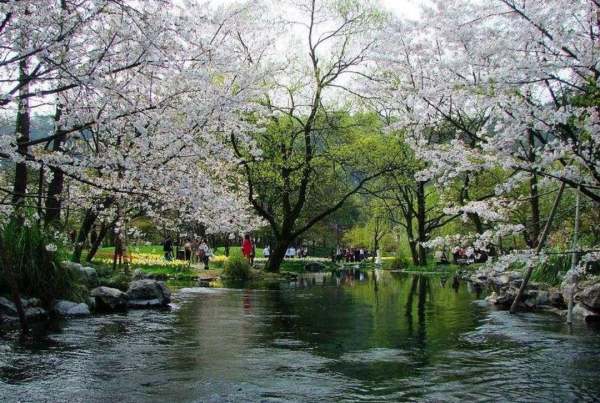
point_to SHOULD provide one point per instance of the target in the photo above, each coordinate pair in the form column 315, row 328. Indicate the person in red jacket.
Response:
column 247, row 248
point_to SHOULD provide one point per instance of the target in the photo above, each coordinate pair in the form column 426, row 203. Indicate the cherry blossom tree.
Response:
column 518, row 81
column 144, row 94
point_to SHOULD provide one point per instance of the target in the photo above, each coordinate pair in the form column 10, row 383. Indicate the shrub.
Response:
column 33, row 257
column 552, row 270
column 399, row 262
column 237, row 268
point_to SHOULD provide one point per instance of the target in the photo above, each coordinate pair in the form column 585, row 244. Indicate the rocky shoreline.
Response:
column 504, row 286
column 141, row 293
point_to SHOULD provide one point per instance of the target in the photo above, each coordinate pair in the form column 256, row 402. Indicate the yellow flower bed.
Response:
column 146, row 259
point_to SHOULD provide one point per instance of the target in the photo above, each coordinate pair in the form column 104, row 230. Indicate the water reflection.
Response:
column 348, row 335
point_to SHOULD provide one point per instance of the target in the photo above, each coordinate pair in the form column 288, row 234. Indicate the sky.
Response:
column 403, row 8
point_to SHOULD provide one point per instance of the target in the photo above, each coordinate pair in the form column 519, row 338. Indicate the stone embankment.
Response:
column 141, row 293
column 504, row 286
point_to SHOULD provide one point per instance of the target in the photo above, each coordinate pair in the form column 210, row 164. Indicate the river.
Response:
column 348, row 336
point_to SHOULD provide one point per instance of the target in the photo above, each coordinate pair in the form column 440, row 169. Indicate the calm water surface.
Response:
column 349, row 336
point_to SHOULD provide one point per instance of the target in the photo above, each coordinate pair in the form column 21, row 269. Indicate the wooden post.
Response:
column 575, row 255
column 541, row 242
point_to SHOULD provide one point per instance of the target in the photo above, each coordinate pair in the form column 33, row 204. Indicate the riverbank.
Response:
column 504, row 286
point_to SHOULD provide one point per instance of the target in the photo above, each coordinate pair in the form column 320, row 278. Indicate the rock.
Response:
column 590, row 297
column 582, row 312
column 503, row 280
column 556, row 299
column 69, row 308
column 32, row 314
column 71, row 265
column 109, row 299
column 315, row 267
column 31, row 302
column 138, row 274
column 502, row 300
column 91, row 303
column 145, row 303
column 535, row 298
column 542, row 298
column 36, row 313
column 148, row 293
column 7, row 307
column 90, row 275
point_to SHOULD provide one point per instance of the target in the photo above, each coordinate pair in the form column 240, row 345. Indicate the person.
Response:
column 247, row 248
column 253, row 254
column 195, row 246
column 204, row 253
column 361, row 254
column 338, row 254
column 119, row 249
column 187, row 248
column 267, row 251
column 168, row 248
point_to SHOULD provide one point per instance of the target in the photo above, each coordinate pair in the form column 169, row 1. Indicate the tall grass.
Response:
column 552, row 270
column 37, row 271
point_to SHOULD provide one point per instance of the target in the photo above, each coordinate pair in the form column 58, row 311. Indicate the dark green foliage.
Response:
column 552, row 270
column 237, row 268
column 37, row 271
column 400, row 262
column 117, row 280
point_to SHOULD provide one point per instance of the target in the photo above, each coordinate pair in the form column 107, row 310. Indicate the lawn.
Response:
column 150, row 258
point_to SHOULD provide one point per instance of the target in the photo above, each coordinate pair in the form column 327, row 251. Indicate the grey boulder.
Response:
column 70, row 308
column 89, row 275
column 109, row 299
column 582, row 312
column 590, row 297
column 148, row 294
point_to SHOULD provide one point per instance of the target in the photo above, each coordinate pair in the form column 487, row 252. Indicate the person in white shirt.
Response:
column 267, row 251
column 204, row 253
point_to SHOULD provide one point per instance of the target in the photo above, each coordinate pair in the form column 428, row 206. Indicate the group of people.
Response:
column 468, row 256
column 300, row 252
column 194, row 251
column 351, row 254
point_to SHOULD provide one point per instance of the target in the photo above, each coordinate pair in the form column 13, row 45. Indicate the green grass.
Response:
column 551, row 272
column 151, row 249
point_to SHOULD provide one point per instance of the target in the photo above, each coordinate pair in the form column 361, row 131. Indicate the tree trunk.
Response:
column 477, row 222
column 534, row 196
column 421, row 223
column 535, row 211
column 226, row 245
column 98, row 241
column 84, row 230
column 40, row 195
column 375, row 247
column 22, row 128
column 55, row 187
column 413, row 252
column 277, row 254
